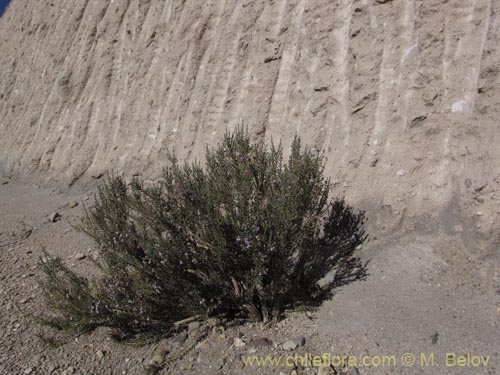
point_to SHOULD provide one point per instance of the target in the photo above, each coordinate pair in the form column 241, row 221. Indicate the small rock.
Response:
column 56, row 216
column 222, row 363
column 321, row 88
column 479, row 199
column 260, row 342
column 97, row 175
column 158, row 356
column 193, row 327
column 53, row 368
column 480, row 188
column 68, row 371
column 100, row 355
column 434, row 338
column 80, row 256
column 219, row 331
column 289, row 345
column 418, row 119
column 351, row 371
column 73, row 204
column 239, row 343
column 180, row 340
column 326, row 370
column 23, row 301
column 271, row 58
column 28, row 371
column 187, row 366
column 299, row 340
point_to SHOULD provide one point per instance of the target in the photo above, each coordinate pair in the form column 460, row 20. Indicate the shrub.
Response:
column 246, row 235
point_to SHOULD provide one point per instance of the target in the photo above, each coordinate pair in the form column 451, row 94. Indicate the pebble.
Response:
column 28, row 371
column 222, row 363
column 326, row 370
column 299, row 340
column 73, row 204
column 100, row 355
column 435, row 338
column 480, row 188
column 239, row 343
column 80, row 256
column 56, row 216
column 187, row 366
column 180, row 340
column 158, row 356
column 294, row 343
column 289, row 345
column 53, row 368
column 260, row 342
column 351, row 371
column 219, row 331
column 193, row 327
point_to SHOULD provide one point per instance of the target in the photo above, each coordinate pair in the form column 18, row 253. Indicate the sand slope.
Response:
column 402, row 95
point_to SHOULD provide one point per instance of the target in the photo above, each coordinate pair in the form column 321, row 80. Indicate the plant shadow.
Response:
column 334, row 264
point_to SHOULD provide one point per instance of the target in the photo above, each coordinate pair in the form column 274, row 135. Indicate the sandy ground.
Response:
column 426, row 293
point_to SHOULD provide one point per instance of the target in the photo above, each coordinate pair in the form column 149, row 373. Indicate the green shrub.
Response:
column 245, row 236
